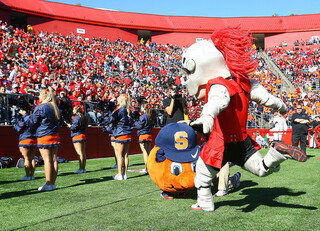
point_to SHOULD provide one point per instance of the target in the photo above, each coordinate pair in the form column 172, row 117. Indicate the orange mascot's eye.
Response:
column 176, row 168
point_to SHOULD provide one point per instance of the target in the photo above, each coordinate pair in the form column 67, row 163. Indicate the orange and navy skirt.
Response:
column 145, row 138
column 112, row 139
column 28, row 143
column 79, row 138
column 123, row 138
column 49, row 141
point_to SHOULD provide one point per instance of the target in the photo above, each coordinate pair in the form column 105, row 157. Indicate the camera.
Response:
column 178, row 90
column 177, row 94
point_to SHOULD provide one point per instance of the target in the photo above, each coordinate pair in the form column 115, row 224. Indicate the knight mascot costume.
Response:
column 217, row 72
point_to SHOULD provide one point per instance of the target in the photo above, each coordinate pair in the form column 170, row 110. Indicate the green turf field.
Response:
column 288, row 200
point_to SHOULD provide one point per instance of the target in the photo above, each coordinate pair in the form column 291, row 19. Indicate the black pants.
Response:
column 303, row 138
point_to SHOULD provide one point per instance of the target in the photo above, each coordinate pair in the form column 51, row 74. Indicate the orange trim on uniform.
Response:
column 78, row 138
column 112, row 139
column 50, row 140
column 145, row 137
column 123, row 138
column 28, row 142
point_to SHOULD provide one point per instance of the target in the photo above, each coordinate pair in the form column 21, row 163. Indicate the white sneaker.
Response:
column 117, row 177
column 124, row 176
column 47, row 187
column 80, row 171
column 25, row 178
column 144, row 170
column 222, row 193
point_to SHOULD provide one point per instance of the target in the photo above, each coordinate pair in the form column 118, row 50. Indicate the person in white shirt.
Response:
column 14, row 73
column 260, row 140
column 278, row 126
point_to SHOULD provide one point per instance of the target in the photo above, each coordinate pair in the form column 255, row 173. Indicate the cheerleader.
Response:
column 109, row 128
column 121, row 120
column 45, row 119
column 78, row 129
column 27, row 142
column 109, row 108
column 144, row 126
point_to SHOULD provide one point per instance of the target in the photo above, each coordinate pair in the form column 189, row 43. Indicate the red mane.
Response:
column 236, row 47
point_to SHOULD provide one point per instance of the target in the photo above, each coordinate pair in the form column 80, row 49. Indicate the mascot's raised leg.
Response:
column 202, row 182
column 278, row 152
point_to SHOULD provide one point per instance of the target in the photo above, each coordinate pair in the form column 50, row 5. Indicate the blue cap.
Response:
column 178, row 143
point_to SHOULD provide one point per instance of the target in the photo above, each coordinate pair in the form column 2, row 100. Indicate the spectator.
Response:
column 65, row 106
column 175, row 106
column 42, row 66
column 29, row 98
column 3, row 105
column 92, row 110
column 278, row 126
column 314, row 124
column 14, row 73
column 250, row 121
column 223, row 182
column 260, row 140
column 300, row 122
column 14, row 100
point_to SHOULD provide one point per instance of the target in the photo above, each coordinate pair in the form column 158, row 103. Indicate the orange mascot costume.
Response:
column 171, row 163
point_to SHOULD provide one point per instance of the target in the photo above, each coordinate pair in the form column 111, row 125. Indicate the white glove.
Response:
column 206, row 121
column 187, row 122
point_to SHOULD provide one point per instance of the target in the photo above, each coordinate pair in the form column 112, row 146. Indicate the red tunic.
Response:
column 230, row 125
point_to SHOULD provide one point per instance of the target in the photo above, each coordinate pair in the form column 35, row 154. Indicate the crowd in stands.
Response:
column 89, row 71
column 93, row 72
column 315, row 40
column 302, row 66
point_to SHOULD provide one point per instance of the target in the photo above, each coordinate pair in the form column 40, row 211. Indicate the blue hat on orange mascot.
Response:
column 171, row 163
column 178, row 143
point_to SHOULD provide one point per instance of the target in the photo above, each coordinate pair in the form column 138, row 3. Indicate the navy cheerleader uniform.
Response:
column 47, row 126
column 27, row 136
column 78, row 130
column 144, row 128
column 123, row 125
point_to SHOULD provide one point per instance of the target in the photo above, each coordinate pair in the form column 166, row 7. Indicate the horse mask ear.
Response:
column 160, row 156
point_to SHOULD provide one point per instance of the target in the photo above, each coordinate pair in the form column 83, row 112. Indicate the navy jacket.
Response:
column 77, row 126
column 143, row 125
column 20, row 124
column 107, row 126
column 122, row 124
column 44, row 120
